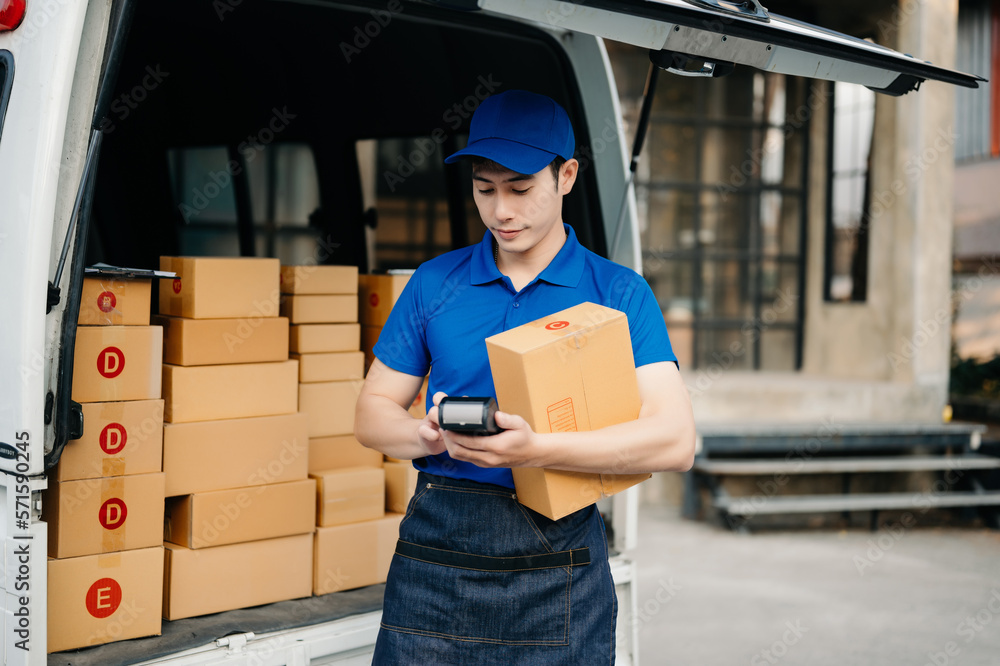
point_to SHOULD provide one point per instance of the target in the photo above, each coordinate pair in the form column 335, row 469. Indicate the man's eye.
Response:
column 521, row 191
column 490, row 191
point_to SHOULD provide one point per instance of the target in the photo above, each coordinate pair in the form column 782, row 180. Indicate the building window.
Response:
column 977, row 110
column 722, row 200
column 852, row 120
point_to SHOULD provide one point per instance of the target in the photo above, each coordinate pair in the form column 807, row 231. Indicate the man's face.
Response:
column 522, row 211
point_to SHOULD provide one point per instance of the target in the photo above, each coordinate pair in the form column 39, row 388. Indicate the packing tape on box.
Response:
column 106, row 415
column 109, row 561
column 113, row 467
column 113, row 514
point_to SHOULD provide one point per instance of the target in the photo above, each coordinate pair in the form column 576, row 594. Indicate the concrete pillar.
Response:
column 922, row 130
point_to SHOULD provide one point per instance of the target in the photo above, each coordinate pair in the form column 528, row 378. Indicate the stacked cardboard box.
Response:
column 354, row 538
column 377, row 294
column 322, row 304
column 104, row 504
column 240, row 506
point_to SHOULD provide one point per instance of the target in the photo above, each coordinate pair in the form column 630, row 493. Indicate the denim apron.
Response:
column 477, row 578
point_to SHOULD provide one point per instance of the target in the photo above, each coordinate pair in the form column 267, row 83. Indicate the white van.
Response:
column 307, row 130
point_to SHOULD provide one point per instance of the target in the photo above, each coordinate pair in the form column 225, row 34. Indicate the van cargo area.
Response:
column 315, row 132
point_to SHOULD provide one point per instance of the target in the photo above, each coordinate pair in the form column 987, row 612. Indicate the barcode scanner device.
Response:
column 468, row 416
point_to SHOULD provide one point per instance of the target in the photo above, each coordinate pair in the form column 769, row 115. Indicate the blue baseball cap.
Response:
column 519, row 130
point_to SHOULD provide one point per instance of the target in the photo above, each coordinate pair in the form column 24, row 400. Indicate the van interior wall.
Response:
column 220, row 74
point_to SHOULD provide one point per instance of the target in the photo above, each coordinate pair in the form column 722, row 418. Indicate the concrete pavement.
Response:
column 903, row 595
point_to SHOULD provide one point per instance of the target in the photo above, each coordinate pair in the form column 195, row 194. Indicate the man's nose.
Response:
column 504, row 209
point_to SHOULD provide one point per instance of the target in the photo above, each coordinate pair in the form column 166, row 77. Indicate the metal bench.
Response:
column 786, row 450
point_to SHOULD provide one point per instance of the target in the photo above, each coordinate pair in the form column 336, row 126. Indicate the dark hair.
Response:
column 489, row 165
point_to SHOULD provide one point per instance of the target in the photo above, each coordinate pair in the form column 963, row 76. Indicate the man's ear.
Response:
column 567, row 175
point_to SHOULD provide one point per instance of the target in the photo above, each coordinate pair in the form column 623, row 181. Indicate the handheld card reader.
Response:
column 469, row 416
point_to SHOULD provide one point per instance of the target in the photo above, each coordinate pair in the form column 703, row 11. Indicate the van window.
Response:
column 284, row 192
column 6, row 79
column 406, row 198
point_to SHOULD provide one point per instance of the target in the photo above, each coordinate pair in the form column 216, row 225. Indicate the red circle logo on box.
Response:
column 113, row 438
column 110, row 362
column 113, row 513
column 373, row 300
column 177, row 285
column 104, row 597
column 556, row 325
column 106, row 301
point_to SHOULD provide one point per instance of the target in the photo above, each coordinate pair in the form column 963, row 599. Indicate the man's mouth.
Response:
column 508, row 234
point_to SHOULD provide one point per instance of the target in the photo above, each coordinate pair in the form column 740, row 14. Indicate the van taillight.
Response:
column 11, row 14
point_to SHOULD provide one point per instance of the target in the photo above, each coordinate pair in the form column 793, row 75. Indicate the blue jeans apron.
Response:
column 477, row 578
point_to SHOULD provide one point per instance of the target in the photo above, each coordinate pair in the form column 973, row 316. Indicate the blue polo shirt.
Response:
column 453, row 302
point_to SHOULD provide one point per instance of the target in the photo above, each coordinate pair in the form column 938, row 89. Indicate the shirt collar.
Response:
column 565, row 269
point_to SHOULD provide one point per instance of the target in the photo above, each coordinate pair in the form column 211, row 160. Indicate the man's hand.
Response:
column 429, row 432
column 516, row 446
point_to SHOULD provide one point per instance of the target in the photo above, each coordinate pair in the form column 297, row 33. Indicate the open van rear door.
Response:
column 708, row 37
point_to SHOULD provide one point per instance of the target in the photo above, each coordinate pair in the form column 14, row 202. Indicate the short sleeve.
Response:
column 650, row 340
column 402, row 342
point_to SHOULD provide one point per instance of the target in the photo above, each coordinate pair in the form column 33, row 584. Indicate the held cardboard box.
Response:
column 376, row 296
column 351, row 556
column 219, row 455
column 213, row 392
column 119, row 438
column 238, row 575
column 317, row 279
column 400, row 482
column 107, row 301
column 99, row 599
column 418, row 408
column 331, row 367
column 569, row 371
column 220, row 287
column 330, row 406
column 221, row 341
column 221, row 517
column 114, row 363
column 317, row 338
column 320, row 308
column 339, row 452
column 349, row 495
column 91, row 516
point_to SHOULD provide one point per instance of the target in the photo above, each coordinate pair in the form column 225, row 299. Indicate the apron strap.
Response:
column 452, row 558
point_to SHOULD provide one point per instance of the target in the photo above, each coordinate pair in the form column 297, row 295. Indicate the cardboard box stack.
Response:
column 104, row 504
column 377, row 294
column 354, row 538
column 240, row 506
column 321, row 303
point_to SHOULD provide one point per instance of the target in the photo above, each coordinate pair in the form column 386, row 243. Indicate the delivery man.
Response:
column 477, row 577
